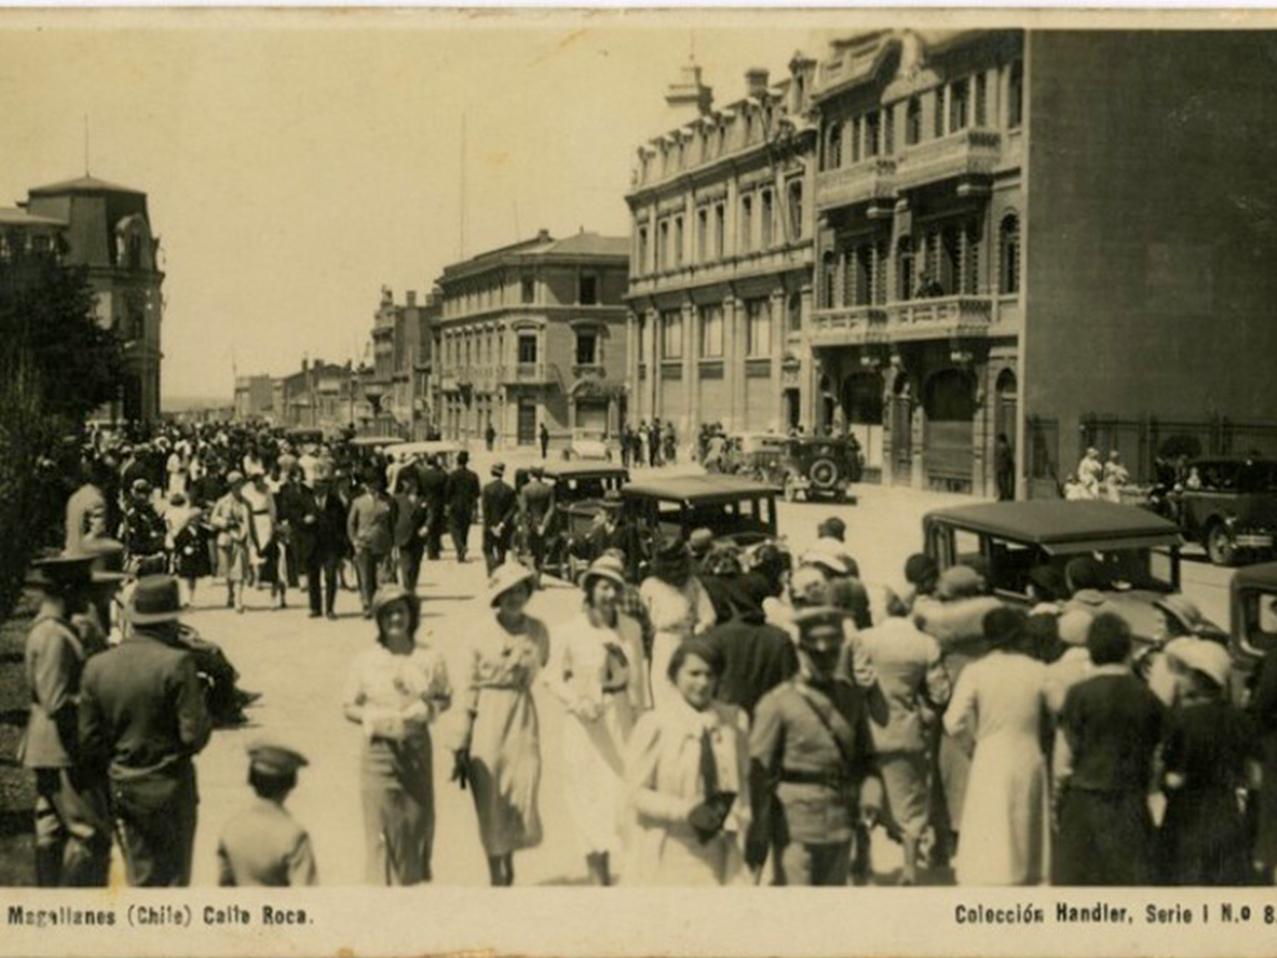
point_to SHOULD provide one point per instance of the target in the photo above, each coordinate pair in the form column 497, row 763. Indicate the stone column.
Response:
column 654, row 362
column 809, row 378
column 778, row 319
column 734, row 361
column 691, row 371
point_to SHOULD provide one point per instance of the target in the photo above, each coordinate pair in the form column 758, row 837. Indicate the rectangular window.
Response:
column 720, row 227
column 795, row 310
column 796, row 210
column 1015, row 95
column 662, row 245
column 765, row 214
column 702, row 233
column 873, row 124
column 642, row 249
column 678, row 241
column 711, row 346
column 889, row 131
column 981, row 100
column 672, row 334
column 758, row 328
column 913, row 121
column 937, row 112
column 528, row 348
column 746, row 223
column 529, row 290
column 857, row 138
column 586, row 349
column 587, row 290
column 958, row 105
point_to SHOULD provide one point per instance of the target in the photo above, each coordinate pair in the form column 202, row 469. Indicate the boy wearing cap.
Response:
column 813, row 774
column 263, row 844
column 73, row 837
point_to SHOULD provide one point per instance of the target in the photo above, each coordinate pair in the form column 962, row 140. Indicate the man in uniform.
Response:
column 536, row 504
column 72, row 827
column 143, row 718
column 500, row 511
column 263, row 844
column 434, row 491
column 144, row 531
column 812, row 768
column 463, row 495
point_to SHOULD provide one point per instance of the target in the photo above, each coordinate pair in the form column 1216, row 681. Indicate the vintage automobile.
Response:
column 1231, row 508
column 301, row 436
column 590, row 444
column 1252, row 615
column 821, row 467
column 1139, row 550
column 579, row 490
column 760, row 455
column 737, row 508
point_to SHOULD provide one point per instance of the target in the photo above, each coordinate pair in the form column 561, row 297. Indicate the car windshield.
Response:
column 1011, row 563
column 583, row 487
column 721, row 518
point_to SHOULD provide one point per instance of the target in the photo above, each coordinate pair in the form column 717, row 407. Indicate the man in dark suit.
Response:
column 434, row 492
column 500, row 511
column 757, row 657
column 463, row 495
column 536, row 506
column 1110, row 726
column 143, row 718
column 319, row 529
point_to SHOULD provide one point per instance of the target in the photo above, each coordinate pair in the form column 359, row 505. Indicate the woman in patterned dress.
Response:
column 499, row 755
column 394, row 691
column 598, row 671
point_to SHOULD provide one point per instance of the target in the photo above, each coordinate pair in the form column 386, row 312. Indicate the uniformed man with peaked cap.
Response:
column 263, row 844
column 812, row 773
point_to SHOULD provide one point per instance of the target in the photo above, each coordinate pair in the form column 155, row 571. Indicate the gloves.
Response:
column 707, row 817
column 461, row 767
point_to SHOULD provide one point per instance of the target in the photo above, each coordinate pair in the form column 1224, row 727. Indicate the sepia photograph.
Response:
column 612, row 455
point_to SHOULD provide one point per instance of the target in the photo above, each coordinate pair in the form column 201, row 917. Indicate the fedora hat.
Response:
column 60, row 571
column 506, row 577
column 155, row 599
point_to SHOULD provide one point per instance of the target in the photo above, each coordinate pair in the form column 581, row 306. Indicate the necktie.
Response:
column 709, row 767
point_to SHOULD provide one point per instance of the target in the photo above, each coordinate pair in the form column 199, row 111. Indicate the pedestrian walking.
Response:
column 410, row 528
column 232, row 519
column 544, row 436
column 86, row 509
column 598, row 671
column 370, row 527
column 142, row 531
column 687, row 776
column 1204, row 838
column 1004, row 467
column 654, row 444
column 434, row 492
column 678, row 606
column 320, row 531
column 499, row 752
column 1110, row 727
column 915, row 687
column 490, row 435
column 463, row 496
column 757, row 657
column 143, row 718
column 500, row 507
column 812, row 763
column 999, row 699
column 263, row 539
column 263, row 845
column 536, row 508
column 72, row 824
column 394, row 691
column 185, row 541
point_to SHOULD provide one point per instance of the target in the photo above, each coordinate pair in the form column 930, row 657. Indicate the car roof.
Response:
column 1047, row 522
column 376, row 441
column 1262, row 576
column 685, row 488
column 572, row 470
column 428, row 447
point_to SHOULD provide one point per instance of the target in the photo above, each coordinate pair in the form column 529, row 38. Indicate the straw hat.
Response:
column 604, row 567
column 507, row 577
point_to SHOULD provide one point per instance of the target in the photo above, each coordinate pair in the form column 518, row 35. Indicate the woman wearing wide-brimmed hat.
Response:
column 394, row 691
column 499, row 753
column 679, row 608
column 598, row 671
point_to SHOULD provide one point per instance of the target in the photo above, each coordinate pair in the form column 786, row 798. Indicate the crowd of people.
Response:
column 733, row 715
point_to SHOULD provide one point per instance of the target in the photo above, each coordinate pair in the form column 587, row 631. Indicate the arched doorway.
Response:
column 862, row 405
column 949, row 405
column 901, row 431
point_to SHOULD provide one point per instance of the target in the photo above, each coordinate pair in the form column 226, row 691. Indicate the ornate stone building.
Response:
column 720, row 280
column 532, row 334
column 108, row 231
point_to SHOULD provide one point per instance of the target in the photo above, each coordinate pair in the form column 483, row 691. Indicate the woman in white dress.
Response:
column 678, row 607
column 598, row 671
column 1000, row 699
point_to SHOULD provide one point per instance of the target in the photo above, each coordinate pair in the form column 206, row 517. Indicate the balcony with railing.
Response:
column 871, row 179
column 529, row 374
column 849, row 325
column 939, row 318
column 970, row 152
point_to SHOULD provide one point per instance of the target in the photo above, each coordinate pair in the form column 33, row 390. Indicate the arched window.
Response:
column 833, row 147
column 1009, row 254
column 913, row 121
column 904, row 268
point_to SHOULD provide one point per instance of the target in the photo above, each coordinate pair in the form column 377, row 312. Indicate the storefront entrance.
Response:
column 901, row 432
column 862, row 405
column 949, row 405
column 527, row 434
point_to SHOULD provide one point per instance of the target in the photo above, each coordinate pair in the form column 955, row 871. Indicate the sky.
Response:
column 297, row 161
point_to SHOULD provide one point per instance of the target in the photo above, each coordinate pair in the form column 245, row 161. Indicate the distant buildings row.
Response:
column 926, row 239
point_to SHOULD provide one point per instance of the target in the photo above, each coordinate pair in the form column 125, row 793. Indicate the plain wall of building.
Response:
column 1151, row 231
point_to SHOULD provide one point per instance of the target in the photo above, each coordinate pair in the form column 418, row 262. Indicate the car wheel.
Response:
column 823, row 474
column 1219, row 545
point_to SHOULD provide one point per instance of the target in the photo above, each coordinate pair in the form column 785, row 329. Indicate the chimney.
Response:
column 305, row 364
column 543, row 235
column 412, row 297
column 756, row 82
column 687, row 97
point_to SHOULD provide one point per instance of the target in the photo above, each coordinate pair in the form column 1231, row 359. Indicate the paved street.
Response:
column 300, row 665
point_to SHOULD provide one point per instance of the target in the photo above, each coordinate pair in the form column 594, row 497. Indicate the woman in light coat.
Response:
column 598, row 671
column 678, row 607
column 687, row 777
